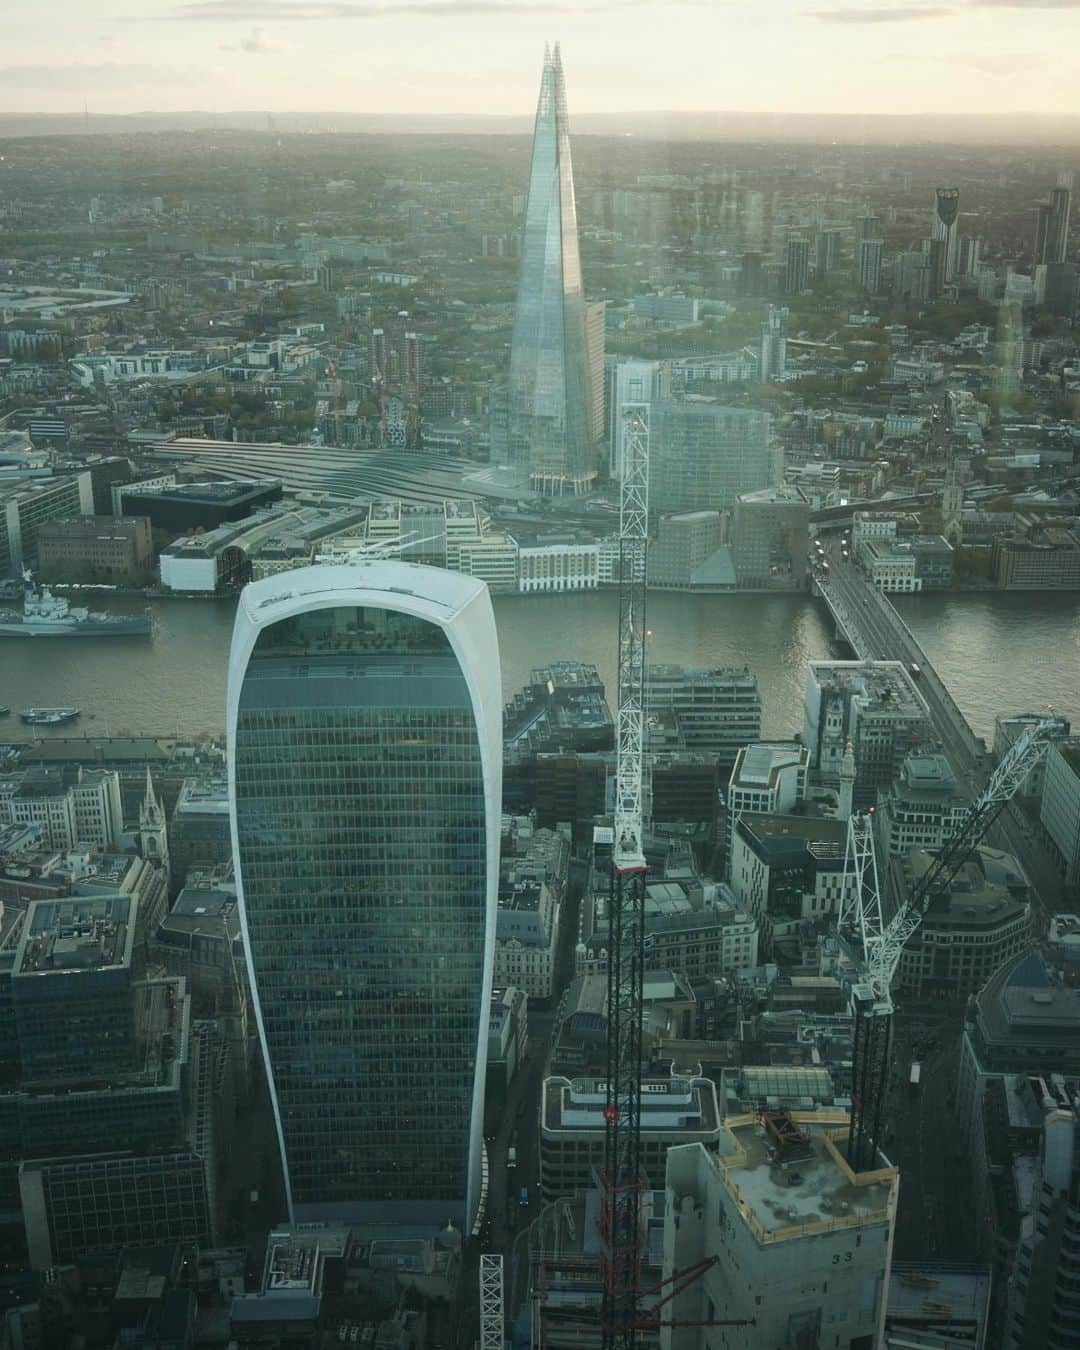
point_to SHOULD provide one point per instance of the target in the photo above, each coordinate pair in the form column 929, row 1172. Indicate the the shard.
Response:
column 547, row 421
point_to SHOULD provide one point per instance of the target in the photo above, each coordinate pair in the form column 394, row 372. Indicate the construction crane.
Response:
column 879, row 945
column 620, row 1217
column 492, row 1331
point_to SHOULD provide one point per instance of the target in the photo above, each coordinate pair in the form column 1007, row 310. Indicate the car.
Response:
column 795, row 1179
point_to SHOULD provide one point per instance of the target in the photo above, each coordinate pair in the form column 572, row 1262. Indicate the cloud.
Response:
column 255, row 44
column 1007, row 63
column 896, row 14
column 1025, row 4
column 104, row 75
column 311, row 10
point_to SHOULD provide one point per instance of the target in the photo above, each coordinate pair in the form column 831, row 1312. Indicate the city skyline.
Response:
column 981, row 56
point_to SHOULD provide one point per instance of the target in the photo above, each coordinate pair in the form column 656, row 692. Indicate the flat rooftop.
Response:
column 758, row 765
column 825, row 1198
column 75, row 934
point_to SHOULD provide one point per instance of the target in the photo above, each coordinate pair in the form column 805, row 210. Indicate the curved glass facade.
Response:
column 360, row 832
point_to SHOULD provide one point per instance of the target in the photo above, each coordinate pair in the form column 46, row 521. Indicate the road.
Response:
column 875, row 631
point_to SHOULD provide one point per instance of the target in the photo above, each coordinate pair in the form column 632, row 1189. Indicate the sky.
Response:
column 484, row 56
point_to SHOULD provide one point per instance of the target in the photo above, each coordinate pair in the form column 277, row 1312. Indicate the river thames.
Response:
column 996, row 652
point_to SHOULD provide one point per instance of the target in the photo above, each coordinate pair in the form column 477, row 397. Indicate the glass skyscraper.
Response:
column 365, row 754
column 547, row 400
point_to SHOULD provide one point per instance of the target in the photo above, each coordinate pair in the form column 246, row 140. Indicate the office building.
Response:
column 716, row 711
column 96, row 549
column 629, row 381
column 1060, row 809
column 868, row 227
column 508, row 1038
column 702, row 455
column 770, row 538
column 786, row 870
column 199, row 832
column 675, row 1110
column 799, row 1246
column 1008, row 728
column 79, row 807
column 1041, row 1308
column 526, row 936
column 868, row 258
column 876, row 706
column 922, row 807
column 1046, row 560
column 772, row 361
column 768, row 777
column 549, row 404
column 684, row 543
column 975, row 926
column 179, row 508
column 944, row 228
column 28, row 504
column 365, row 762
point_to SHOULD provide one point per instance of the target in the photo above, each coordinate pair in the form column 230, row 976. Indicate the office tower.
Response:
column 969, row 257
column 876, row 706
column 1057, row 232
column 548, row 397
column 869, row 227
column 827, row 254
column 868, row 254
column 796, row 266
column 944, row 227
column 773, row 360
column 752, row 274
column 704, row 455
column 629, row 380
column 365, row 767
column 769, row 538
column 594, row 357
column 936, row 252
column 797, row 1247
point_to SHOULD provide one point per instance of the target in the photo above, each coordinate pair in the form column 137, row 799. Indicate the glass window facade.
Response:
column 360, row 829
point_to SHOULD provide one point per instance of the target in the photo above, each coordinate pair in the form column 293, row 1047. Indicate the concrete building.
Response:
column 703, row 455
column 786, row 871
column 892, row 566
column 796, row 266
column 508, row 1039
column 629, row 381
column 683, row 545
column 199, row 832
column 674, row 1111
column 772, row 362
column 981, row 923
column 1007, row 730
column 770, row 538
column 404, row 839
column 876, row 706
column 1060, row 810
column 923, row 807
column 83, row 807
column 716, row 711
column 100, row 549
column 868, row 259
column 556, row 567
column 1046, row 561
column 526, row 937
column 800, row 1245
column 28, row 504
column 181, row 507
column 768, row 777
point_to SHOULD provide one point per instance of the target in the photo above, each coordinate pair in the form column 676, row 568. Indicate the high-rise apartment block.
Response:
column 703, row 455
column 944, row 227
column 1052, row 223
column 876, row 706
column 868, row 257
column 799, row 1245
column 549, row 407
column 365, row 763
column 772, row 363
column 827, row 251
column 796, row 266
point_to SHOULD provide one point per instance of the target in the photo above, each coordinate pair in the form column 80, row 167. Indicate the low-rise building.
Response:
column 971, row 929
column 799, row 1246
column 102, row 549
column 675, row 1110
column 768, row 777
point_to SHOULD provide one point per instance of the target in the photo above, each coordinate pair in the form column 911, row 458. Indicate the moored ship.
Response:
column 48, row 717
column 47, row 615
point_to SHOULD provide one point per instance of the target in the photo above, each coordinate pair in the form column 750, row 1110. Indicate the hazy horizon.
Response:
column 482, row 57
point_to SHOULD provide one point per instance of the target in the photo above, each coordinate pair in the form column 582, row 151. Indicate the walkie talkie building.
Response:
column 365, row 765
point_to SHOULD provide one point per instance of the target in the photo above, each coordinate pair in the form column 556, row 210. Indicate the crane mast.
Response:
column 620, row 1221
column 880, row 945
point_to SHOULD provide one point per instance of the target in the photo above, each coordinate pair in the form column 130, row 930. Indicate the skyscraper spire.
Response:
column 545, row 420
